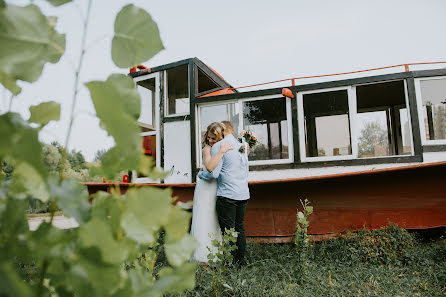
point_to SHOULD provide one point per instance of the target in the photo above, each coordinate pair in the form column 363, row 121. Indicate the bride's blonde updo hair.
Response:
column 216, row 129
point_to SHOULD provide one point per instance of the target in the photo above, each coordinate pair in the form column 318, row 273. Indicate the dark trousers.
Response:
column 231, row 214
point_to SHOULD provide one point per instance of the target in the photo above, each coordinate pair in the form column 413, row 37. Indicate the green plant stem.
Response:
column 39, row 291
column 79, row 68
column 10, row 102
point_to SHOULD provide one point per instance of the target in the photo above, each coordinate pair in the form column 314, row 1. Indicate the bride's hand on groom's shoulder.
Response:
column 225, row 146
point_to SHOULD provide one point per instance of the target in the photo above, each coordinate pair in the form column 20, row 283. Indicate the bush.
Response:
column 383, row 246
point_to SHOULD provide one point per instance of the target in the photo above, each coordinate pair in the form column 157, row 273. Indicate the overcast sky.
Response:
column 246, row 42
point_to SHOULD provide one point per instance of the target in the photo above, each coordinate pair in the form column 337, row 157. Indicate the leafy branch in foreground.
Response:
column 115, row 229
column 302, row 240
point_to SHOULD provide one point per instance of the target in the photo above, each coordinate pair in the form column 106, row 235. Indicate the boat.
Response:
column 366, row 151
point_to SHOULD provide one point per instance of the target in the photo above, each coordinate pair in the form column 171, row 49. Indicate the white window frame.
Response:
column 199, row 155
column 166, row 98
column 290, row 158
column 239, row 108
column 425, row 141
column 155, row 75
column 351, row 96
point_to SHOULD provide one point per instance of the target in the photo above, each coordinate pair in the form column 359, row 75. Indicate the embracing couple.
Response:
column 221, row 193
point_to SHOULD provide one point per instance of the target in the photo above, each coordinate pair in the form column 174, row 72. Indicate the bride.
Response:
column 205, row 225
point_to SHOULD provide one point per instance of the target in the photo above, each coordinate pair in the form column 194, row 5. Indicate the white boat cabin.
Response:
column 339, row 126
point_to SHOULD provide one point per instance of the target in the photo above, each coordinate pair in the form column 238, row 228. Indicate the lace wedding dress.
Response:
column 205, row 225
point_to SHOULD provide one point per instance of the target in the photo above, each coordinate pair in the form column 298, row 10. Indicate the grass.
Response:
column 388, row 262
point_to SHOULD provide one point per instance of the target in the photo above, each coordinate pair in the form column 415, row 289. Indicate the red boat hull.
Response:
column 412, row 197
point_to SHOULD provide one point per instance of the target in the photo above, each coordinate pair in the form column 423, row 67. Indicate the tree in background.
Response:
column 372, row 135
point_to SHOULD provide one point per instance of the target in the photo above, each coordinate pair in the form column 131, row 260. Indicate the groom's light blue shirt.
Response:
column 231, row 172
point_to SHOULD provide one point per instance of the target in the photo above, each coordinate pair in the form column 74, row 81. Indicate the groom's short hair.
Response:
column 228, row 127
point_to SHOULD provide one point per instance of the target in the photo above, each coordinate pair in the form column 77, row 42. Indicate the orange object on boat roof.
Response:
column 219, row 92
column 140, row 66
column 287, row 93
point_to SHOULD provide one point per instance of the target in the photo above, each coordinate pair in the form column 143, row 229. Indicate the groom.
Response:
column 232, row 190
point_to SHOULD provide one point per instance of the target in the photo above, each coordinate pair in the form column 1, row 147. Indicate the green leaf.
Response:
column 9, row 83
column 14, row 230
column 49, row 242
column 178, row 224
column 28, row 180
column 2, row 3
column 96, row 233
column 11, row 283
column 175, row 281
column 28, row 41
column 107, row 209
column 20, row 142
column 145, row 211
column 45, row 112
column 179, row 252
column 117, row 105
column 136, row 39
column 58, row 2
column 92, row 278
column 72, row 198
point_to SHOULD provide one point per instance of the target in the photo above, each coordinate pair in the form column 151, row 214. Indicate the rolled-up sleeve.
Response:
column 215, row 149
column 205, row 175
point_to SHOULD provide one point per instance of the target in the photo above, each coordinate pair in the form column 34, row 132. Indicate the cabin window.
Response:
column 177, row 95
column 216, row 113
column 433, row 109
column 326, row 124
column 146, row 89
column 268, row 119
column 382, row 120
column 205, row 83
column 362, row 121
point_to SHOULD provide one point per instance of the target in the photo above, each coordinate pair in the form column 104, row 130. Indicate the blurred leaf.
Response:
column 72, row 198
column 88, row 277
column 96, row 233
column 58, row 2
column 107, row 209
column 115, row 160
column 11, row 283
column 28, row 180
column 136, row 39
column 175, row 281
column 50, row 242
column 13, row 229
column 179, row 252
column 45, row 112
column 9, row 83
column 146, row 210
column 20, row 142
column 178, row 224
column 2, row 3
column 28, row 41
column 148, row 168
column 117, row 105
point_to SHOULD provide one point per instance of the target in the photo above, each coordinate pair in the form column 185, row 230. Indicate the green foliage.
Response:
column 28, row 40
column 115, row 229
column 136, row 37
column 220, row 258
column 271, row 268
column 302, row 240
column 384, row 246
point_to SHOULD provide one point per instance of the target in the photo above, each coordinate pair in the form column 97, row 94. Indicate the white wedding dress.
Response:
column 205, row 225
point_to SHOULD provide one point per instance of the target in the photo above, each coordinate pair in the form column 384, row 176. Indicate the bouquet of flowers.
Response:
column 249, row 137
